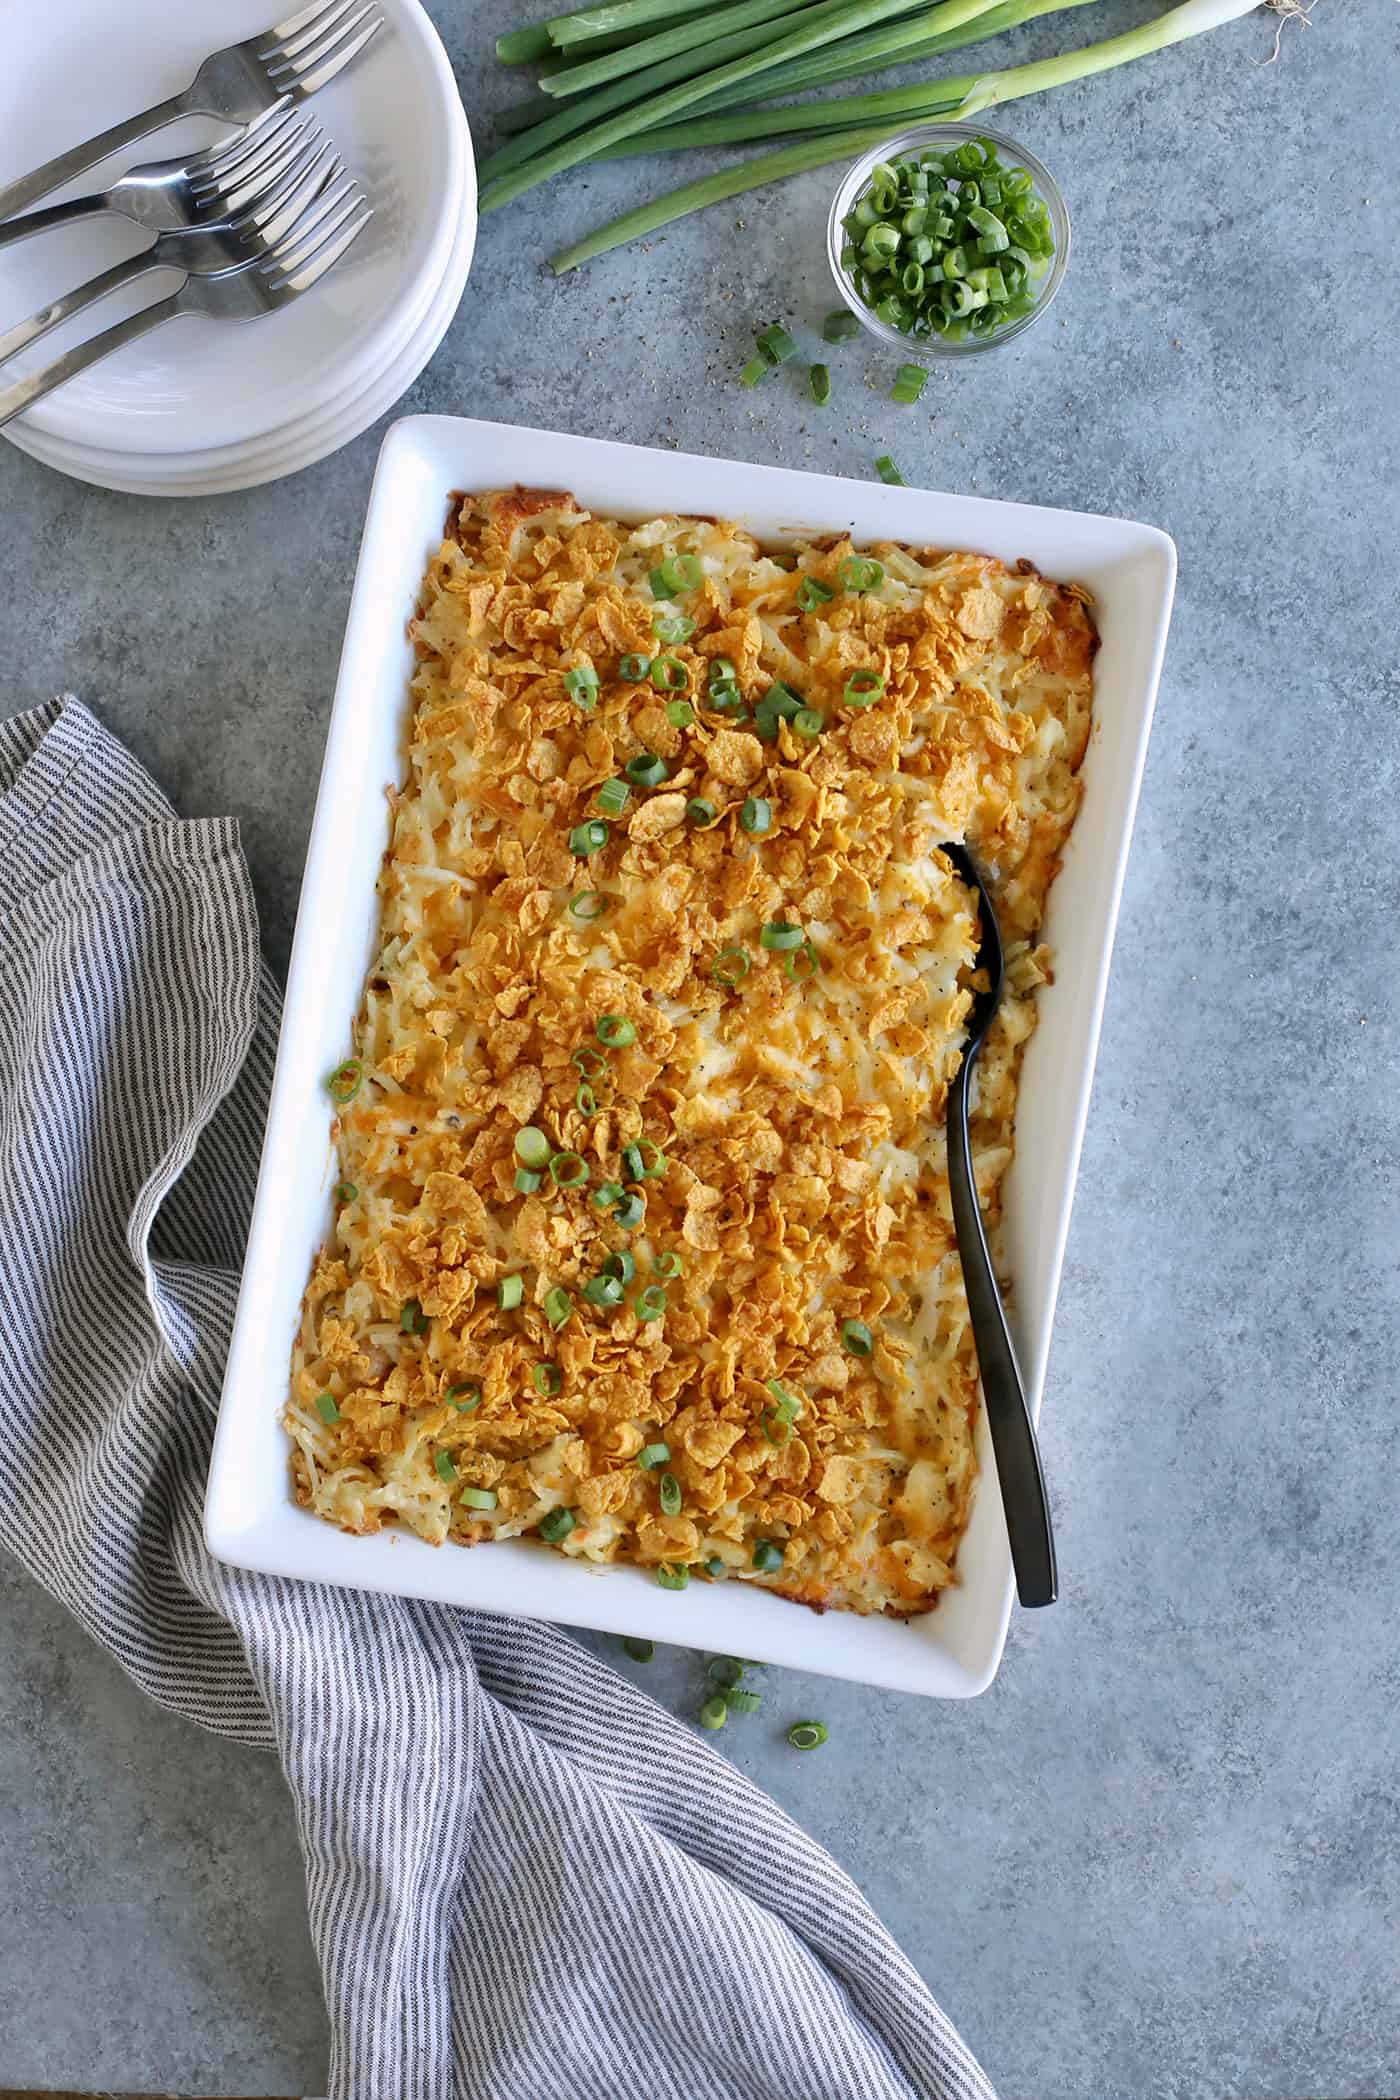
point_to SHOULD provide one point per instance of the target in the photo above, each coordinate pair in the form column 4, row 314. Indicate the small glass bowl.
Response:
column 940, row 138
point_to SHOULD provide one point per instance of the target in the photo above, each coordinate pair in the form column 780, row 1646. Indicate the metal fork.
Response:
column 298, row 260
column 304, row 166
column 166, row 195
column 294, row 58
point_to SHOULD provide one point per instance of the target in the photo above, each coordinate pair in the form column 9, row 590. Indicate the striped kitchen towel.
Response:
column 523, row 1876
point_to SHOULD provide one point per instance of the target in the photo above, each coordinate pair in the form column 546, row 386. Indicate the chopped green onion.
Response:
column 612, row 797
column 808, row 723
column 603, row 1290
column 669, row 1494
column 812, row 592
column 788, row 1405
column 652, row 1455
column 568, row 1170
column 774, row 1427
column 678, row 572
column 510, row 1292
column 889, row 472
column 639, row 1651
column 781, row 934
column 588, row 838
column 757, row 368
column 715, row 1567
column 532, row 1147
column 587, row 905
column 546, row 1378
column 630, row 1212
column 725, row 1670
column 327, row 1409
column 412, row 1318
column 346, row 1191
column 558, row 1306
column 744, row 1702
column 582, row 684
column 725, row 697
column 623, row 1266
column 731, row 966
column 585, row 1100
column 756, row 816
column 840, row 326
column 777, row 345
column 478, row 1498
column 526, row 1183
column 856, row 1337
column 635, row 669
column 606, row 1194
column 767, row 1556
column 615, row 1031
column 803, row 963
column 650, row 1304
column 466, row 1399
column 864, row 687
column 714, row 1713
column 859, row 573
column 672, row 627
column 700, row 812
column 557, row 1525
column 807, row 1735
column 819, row 380
column 679, row 713
column 910, row 380
column 589, row 1061
column 668, row 1263
column 673, row 1575
column 648, row 770
column 344, row 1082
column 669, row 675
column 722, row 670
column 632, row 1166
column 444, row 1468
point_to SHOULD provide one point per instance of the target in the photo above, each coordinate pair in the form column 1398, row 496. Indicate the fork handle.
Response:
column 52, row 215
column 25, row 392
column 18, row 196
column 1008, row 1416
column 59, row 310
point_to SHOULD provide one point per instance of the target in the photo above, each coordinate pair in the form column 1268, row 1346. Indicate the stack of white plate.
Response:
column 199, row 407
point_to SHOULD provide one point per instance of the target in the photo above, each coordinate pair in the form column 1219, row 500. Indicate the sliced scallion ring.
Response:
column 812, row 592
column 557, row 1526
column 603, row 1290
column 673, row 1575
column 587, row 905
column 780, row 935
column 588, row 838
column 558, row 1306
column 859, row 573
column 756, row 816
column 634, row 670
column 669, row 1495
column 612, row 797
column 808, row 1735
column 532, row 1147
column 568, row 1170
column 345, row 1081
column 856, row 1337
column 731, row 966
column 478, row 1498
column 653, row 1455
column 546, row 1379
column 864, row 687
column 327, row 1409
column 615, row 1031
column 650, row 1304
column 647, row 769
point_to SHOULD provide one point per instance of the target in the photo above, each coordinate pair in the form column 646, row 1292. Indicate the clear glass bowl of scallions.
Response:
column 947, row 239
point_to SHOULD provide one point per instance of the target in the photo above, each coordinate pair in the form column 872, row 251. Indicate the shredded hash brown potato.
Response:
column 800, row 1111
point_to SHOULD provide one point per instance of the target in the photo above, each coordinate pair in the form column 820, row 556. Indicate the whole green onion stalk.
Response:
column 980, row 93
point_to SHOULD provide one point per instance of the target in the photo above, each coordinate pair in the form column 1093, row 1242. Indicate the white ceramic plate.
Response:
column 397, row 119
column 221, row 470
column 250, row 1518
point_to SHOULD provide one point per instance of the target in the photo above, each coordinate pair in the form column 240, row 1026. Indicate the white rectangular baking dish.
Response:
column 250, row 1518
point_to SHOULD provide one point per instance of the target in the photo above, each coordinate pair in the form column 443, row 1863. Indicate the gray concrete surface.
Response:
column 1160, row 1859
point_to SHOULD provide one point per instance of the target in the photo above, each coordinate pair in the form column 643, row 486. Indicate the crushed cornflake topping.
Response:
column 788, row 1108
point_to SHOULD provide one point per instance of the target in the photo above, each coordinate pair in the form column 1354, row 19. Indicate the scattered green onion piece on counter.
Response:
column 910, row 380
column 673, row 1575
column 860, row 573
column 647, row 769
column 669, row 1495
column 606, row 1194
column 889, row 472
column 634, row 670
column 808, row 1735
column 808, row 723
column 526, row 1181
column 589, row 1061
column 639, row 1651
column 803, row 963
column 346, row 1191
column 672, row 627
column 700, row 813
column 725, row 1671
column 612, row 797
column 756, row 369
column 443, row 1467
column 557, row 1525
column 714, row 1713
column 731, row 966
column 668, row 1263
column 532, row 1147
column 478, row 1498
column 669, row 675
column 743, row 1702
column 622, row 1265
column 345, row 1081
column 780, row 934
column 587, row 905
column 412, row 1318
column 777, row 345
column 558, row 1306
column 679, row 713
column 840, row 326
column 510, row 1292
column 615, row 1031
column 466, row 1399
column 756, row 816
column 812, row 592
column 603, row 1290
column 585, row 1100
column 819, row 381
column 588, row 838
column 715, row 1567
column 650, row 1304
column 630, row 1211
column 546, row 1378
column 652, row 1455
column 582, row 684
column 327, row 1409
column 863, row 688
column 856, row 1337
column 767, row 1556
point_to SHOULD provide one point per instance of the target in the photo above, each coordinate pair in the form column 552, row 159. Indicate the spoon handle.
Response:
column 1008, row 1417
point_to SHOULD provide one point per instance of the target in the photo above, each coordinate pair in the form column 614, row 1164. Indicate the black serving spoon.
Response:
column 1003, row 1389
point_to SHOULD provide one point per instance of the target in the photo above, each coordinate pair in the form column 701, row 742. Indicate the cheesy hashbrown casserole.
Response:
column 642, row 1240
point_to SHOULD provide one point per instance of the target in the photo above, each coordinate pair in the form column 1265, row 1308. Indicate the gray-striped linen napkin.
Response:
column 523, row 1876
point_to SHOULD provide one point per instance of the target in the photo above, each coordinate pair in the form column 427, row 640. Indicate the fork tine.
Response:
column 229, row 193
column 322, row 215
column 252, row 138
column 298, row 21
column 327, row 16
column 309, row 81
column 309, row 51
column 272, row 214
column 309, row 269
